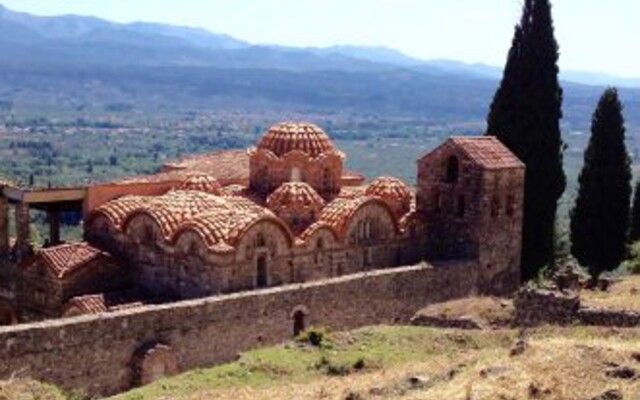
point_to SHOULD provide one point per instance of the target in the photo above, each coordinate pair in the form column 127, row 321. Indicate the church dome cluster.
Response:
column 283, row 212
column 296, row 205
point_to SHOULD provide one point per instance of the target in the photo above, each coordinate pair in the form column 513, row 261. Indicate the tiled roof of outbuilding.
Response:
column 487, row 151
column 99, row 303
column 65, row 259
column 285, row 137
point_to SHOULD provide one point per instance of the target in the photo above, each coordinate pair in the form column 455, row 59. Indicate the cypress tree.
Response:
column 600, row 218
column 634, row 235
column 525, row 115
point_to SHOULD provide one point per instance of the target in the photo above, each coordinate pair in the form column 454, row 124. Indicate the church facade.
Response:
column 286, row 211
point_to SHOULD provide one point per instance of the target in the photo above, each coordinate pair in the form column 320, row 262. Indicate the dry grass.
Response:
column 623, row 295
column 487, row 311
column 558, row 365
column 24, row 389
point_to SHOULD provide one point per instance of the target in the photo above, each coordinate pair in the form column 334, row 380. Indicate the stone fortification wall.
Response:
column 106, row 354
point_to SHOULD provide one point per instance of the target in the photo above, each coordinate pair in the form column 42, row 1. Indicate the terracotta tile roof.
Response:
column 228, row 166
column 285, row 137
column 201, row 182
column 233, row 190
column 100, row 303
column 339, row 212
column 117, row 210
column 390, row 190
column 65, row 259
column 352, row 192
column 222, row 229
column 316, row 227
column 487, row 151
column 171, row 209
column 220, row 221
column 295, row 196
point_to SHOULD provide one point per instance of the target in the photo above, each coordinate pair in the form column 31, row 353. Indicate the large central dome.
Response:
column 308, row 138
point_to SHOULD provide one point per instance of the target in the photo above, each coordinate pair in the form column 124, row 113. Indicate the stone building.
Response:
column 286, row 211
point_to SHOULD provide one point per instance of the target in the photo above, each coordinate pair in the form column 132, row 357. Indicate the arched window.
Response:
column 327, row 180
column 453, row 170
column 318, row 253
column 260, row 242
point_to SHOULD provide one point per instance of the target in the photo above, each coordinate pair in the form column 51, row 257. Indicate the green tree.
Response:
column 600, row 218
column 634, row 235
column 525, row 115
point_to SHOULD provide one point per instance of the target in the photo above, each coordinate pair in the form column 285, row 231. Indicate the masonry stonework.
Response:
column 98, row 354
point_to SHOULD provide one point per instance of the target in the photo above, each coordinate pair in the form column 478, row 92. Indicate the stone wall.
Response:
column 101, row 354
column 538, row 307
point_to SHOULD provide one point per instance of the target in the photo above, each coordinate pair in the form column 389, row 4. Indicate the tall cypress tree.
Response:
column 525, row 116
column 600, row 218
column 634, row 234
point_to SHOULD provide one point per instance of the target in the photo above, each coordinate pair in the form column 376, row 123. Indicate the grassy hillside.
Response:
column 420, row 363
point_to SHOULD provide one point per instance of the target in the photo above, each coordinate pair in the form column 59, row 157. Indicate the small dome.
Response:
column 392, row 191
column 295, row 196
column 308, row 138
column 201, row 183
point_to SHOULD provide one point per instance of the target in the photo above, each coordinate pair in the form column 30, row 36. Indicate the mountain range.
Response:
column 79, row 62
column 79, row 40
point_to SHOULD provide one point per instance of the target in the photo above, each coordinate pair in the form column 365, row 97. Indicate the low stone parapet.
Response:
column 601, row 317
column 540, row 306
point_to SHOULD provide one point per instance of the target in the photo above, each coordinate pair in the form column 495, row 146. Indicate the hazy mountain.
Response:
column 70, row 63
column 194, row 36
column 76, row 41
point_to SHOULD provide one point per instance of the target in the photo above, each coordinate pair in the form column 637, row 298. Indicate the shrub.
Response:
column 317, row 337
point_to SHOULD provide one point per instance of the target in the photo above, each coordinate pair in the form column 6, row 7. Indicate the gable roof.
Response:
column 487, row 151
column 65, row 259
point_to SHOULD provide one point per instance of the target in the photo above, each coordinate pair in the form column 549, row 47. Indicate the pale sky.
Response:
column 594, row 35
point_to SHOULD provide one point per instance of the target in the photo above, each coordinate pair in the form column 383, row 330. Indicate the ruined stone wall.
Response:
column 101, row 354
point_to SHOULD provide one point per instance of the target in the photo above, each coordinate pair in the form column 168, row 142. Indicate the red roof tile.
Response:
column 487, row 151
column 285, row 137
column 65, row 259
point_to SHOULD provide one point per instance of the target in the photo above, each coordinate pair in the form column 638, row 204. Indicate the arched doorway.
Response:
column 299, row 317
column 153, row 362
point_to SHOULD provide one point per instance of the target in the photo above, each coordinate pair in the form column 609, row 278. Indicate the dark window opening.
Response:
column 495, row 206
column 453, row 169
column 511, row 201
column 461, row 206
column 261, row 280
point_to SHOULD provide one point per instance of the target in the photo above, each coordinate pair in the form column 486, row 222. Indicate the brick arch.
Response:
column 154, row 361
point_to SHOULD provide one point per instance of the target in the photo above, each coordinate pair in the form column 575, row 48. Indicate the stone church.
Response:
column 286, row 211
